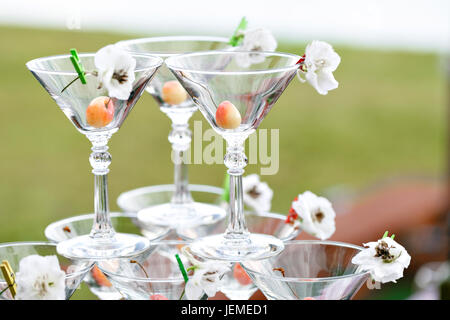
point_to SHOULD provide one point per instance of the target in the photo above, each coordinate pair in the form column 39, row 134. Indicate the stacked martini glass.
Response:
column 136, row 254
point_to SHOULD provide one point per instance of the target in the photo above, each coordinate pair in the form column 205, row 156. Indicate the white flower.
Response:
column 316, row 215
column 318, row 65
column 257, row 194
column 40, row 278
column 258, row 39
column 385, row 259
column 115, row 71
column 207, row 276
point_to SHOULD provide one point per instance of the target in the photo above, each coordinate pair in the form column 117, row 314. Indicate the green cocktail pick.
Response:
column 237, row 37
column 185, row 276
column 182, row 269
column 77, row 65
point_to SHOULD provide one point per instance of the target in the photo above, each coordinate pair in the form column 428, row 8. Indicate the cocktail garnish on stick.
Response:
column 78, row 68
column 115, row 71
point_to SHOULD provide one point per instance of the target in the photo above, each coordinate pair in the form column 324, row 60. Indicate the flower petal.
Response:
column 193, row 291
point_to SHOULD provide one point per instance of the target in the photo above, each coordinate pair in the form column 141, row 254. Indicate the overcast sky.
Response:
column 405, row 24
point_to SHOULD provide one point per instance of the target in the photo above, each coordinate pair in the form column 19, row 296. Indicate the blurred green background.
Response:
column 388, row 118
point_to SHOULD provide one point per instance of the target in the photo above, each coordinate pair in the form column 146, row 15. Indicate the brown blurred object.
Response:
column 415, row 210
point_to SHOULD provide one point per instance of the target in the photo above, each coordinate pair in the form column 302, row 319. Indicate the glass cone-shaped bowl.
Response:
column 309, row 270
column 211, row 78
column 81, row 225
column 151, row 275
column 237, row 285
column 98, row 124
column 13, row 252
column 181, row 209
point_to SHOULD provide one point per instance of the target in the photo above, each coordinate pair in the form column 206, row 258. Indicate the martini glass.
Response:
column 309, row 270
column 13, row 252
column 80, row 225
column 151, row 275
column 181, row 210
column 236, row 283
column 56, row 72
column 211, row 78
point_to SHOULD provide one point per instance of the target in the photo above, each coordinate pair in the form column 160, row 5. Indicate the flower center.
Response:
column 41, row 285
column 320, row 63
column 382, row 251
column 254, row 193
column 121, row 76
column 254, row 51
column 209, row 276
column 318, row 216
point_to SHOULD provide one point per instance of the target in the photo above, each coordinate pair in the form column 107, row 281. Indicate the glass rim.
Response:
column 85, row 216
column 150, row 279
column 271, row 215
column 311, row 279
column 31, row 64
column 46, row 243
column 169, row 62
column 187, row 38
column 123, row 198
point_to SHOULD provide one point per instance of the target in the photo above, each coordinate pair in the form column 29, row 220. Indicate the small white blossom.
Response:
column 255, row 40
column 40, row 278
column 316, row 215
column 319, row 63
column 257, row 194
column 384, row 259
column 115, row 71
column 207, row 278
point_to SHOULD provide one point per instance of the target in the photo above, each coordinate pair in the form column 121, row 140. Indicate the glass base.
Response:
column 255, row 247
column 120, row 246
column 181, row 215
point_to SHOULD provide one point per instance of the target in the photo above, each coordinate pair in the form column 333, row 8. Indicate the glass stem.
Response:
column 181, row 194
column 100, row 160
column 235, row 160
column 180, row 138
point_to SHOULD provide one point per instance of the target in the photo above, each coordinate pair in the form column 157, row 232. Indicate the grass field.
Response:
column 388, row 118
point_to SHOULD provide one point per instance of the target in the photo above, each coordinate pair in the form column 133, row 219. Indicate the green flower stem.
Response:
column 182, row 268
